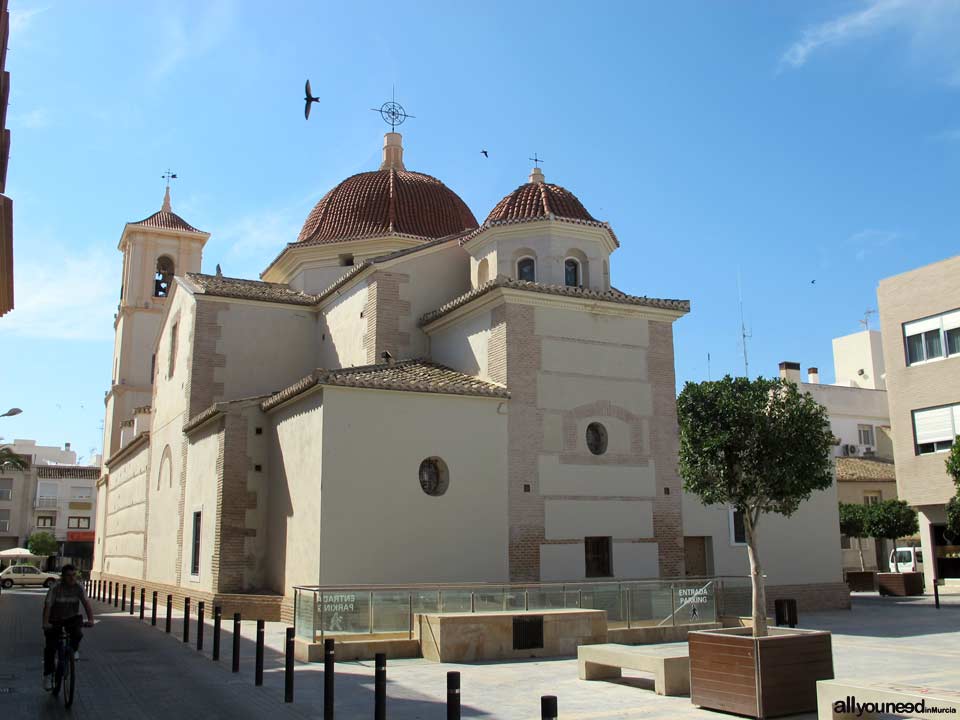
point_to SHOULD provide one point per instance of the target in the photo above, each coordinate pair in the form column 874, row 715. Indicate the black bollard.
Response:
column 153, row 611
column 169, row 610
column 186, row 620
column 548, row 707
column 380, row 687
column 116, row 594
column 453, row 695
column 123, row 601
column 200, row 625
column 288, row 668
column 133, row 592
column 236, row 642
column 109, row 591
column 143, row 596
column 328, row 660
column 258, row 672
column 217, row 613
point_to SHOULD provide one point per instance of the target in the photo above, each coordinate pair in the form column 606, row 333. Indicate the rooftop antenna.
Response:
column 866, row 318
column 708, row 367
column 392, row 112
column 744, row 335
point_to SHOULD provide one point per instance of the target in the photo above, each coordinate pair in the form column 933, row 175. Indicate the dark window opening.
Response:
column 527, row 270
column 434, row 477
column 598, row 556
column 571, row 272
column 346, row 260
column 163, row 276
column 528, row 632
column 739, row 530
column 195, row 554
column 596, row 438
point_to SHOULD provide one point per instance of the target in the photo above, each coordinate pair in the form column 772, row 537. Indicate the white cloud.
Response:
column 930, row 26
column 867, row 241
column 68, row 297
column 32, row 120
column 22, row 19
column 189, row 34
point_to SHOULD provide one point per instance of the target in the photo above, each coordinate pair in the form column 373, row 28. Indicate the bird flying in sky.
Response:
column 308, row 99
column 485, row 153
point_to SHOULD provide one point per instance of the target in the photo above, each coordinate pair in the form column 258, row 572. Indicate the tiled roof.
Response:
column 386, row 202
column 862, row 468
column 220, row 286
column 409, row 375
column 539, row 200
column 614, row 296
column 90, row 472
column 166, row 220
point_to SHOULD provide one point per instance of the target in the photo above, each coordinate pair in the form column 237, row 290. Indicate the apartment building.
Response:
column 860, row 421
column 920, row 321
column 53, row 494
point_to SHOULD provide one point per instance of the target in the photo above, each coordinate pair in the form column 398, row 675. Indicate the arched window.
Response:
column 483, row 272
column 166, row 472
column 163, row 277
column 571, row 272
column 527, row 269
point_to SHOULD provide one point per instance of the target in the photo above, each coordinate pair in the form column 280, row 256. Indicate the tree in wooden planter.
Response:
column 891, row 520
column 758, row 446
column 853, row 525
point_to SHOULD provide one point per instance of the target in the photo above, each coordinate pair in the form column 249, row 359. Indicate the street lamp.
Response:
column 11, row 412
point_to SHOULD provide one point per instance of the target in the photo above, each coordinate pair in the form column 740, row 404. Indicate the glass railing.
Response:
column 391, row 610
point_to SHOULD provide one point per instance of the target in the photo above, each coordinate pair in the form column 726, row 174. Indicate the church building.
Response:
column 405, row 396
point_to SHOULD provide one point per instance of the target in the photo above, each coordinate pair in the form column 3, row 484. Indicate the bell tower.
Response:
column 155, row 250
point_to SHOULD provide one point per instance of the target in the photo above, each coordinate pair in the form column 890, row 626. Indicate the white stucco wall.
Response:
column 464, row 346
column 804, row 548
column 200, row 495
column 378, row 525
column 342, row 329
column 267, row 347
column 296, row 471
column 122, row 517
column 565, row 563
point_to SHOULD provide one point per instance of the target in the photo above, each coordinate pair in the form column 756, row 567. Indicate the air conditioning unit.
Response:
column 851, row 449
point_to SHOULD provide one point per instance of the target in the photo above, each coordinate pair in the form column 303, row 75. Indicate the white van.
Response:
column 908, row 559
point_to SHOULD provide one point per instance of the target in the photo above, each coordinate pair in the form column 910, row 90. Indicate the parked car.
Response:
column 908, row 559
column 26, row 575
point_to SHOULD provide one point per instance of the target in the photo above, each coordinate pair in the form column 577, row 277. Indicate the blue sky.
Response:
column 788, row 141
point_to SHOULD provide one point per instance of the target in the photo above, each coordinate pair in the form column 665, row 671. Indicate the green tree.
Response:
column 953, row 507
column 42, row 543
column 9, row 460
column 853, row 524
column 759, row 446
column 890, row 520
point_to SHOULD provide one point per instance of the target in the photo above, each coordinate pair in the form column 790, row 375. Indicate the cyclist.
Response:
column 61, row 609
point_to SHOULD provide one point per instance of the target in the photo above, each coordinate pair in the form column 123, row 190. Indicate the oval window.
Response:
column 434, row 477
column 596, row 438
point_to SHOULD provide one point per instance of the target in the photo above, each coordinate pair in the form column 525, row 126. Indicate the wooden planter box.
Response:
column 900, row 584
column 732, row 671
column 861, row 580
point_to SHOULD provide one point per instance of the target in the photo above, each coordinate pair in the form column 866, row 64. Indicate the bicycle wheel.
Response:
column 69, row 679
column 58, row 674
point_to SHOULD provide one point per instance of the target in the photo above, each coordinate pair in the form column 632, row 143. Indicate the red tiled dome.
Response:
column 383, row 202
column 539, row 199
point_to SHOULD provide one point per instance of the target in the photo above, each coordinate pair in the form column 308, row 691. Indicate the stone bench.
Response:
column 669, row 663
column 830, row 692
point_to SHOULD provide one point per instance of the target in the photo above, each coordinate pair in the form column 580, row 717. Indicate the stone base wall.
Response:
column 810, row 598
column 251, row 607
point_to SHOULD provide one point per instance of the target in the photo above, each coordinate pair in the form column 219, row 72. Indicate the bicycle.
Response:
column 65, row 670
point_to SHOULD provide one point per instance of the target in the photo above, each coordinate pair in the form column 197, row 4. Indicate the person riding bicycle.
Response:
column 61, row 609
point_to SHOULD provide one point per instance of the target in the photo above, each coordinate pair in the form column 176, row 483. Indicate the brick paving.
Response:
column 131, row 670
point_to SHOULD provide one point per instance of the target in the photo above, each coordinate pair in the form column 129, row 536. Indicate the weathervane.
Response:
column 392, row 113
column 168, row 176
column 536, row 160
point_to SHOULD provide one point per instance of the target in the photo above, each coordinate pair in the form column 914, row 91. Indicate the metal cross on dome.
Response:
column 536, row 160
column 392, row 113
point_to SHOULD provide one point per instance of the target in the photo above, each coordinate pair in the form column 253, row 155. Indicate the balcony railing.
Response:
column 366, row 610
column 47, row 503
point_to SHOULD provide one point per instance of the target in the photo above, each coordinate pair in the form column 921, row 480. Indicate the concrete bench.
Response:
column 669, row 663
column 830, row 692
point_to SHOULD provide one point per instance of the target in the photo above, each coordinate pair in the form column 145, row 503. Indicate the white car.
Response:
column 908, row 559
column 26, row 575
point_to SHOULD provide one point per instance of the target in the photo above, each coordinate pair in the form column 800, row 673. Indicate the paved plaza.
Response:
column 131, row 670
